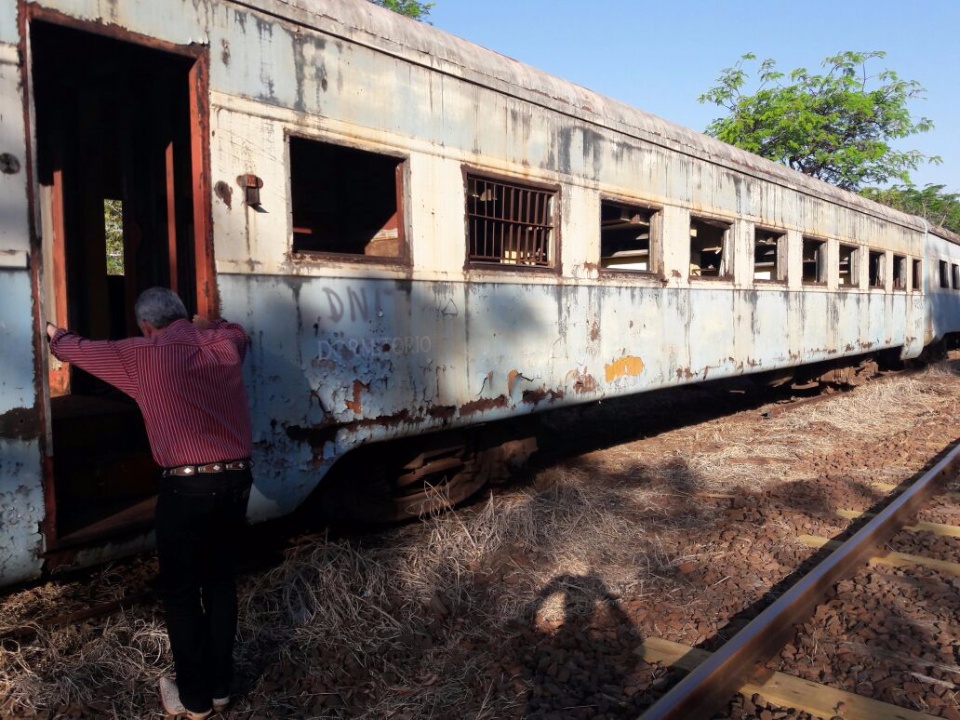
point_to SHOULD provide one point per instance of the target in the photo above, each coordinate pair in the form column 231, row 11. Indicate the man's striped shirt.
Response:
column 187, row 382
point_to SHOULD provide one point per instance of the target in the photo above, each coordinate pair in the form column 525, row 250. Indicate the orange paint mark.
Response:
column 511, row 378
column 621, row 368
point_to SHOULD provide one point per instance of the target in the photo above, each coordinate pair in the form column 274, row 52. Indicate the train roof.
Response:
column 417, row 42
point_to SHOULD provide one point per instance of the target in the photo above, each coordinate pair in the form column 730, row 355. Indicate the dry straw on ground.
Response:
column 414, row 622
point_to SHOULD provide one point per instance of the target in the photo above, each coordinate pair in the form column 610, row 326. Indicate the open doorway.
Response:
column 116, row 134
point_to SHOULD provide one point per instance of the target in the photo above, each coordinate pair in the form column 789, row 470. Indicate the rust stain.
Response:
column 442, row 412
column 532, row 397
column 594, row 331
column 511, row 379
column 318, row 435
column 483, row 404
column 355, row 404
column 224, row 192
column 20, row 423
column 583, row 382
column 630, row 365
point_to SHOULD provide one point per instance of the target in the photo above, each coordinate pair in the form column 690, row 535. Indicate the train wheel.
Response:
column 402, row 480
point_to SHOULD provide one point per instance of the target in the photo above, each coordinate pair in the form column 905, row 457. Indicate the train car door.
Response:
column 121, row 188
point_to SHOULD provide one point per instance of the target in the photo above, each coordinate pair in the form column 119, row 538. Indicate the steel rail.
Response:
column 713, row 683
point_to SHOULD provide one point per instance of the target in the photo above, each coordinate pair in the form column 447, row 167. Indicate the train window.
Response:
column 900, row 269
column 814, row 261
column 944, row 278
column 769, row 247
column 509, row 223
column 876, row 263
column 709, row 256
column 345, row 201
column 628, row 237
column 848, row 270
column 955, row 276
column 917, row 276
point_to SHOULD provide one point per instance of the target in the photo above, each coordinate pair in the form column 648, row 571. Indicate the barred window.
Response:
column 509, row 223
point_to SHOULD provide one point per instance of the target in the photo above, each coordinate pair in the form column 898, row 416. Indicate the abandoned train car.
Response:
column 428, row 242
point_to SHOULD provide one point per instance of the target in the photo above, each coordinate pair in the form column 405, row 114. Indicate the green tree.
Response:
column 836, row 126
column 113, row 229
column 410, row 8
column 931, row 203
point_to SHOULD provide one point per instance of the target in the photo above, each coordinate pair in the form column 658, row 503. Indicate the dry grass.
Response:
column 398, row 626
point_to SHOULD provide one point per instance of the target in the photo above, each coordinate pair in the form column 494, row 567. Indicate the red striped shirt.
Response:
column 187, row 382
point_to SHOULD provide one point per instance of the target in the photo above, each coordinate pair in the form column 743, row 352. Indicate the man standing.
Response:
column 187, row 379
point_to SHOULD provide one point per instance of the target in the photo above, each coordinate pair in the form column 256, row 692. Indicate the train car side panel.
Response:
column 22, row 508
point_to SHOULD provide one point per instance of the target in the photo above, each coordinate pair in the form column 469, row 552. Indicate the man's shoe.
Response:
column 170, row 699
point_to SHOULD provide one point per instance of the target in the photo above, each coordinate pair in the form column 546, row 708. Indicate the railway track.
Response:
column 741, row 666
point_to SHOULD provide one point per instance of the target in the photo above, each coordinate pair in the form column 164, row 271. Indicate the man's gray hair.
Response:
column 159, row 306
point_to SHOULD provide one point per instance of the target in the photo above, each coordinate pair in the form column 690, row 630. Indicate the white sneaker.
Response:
column 220, row 704
column 170, row 699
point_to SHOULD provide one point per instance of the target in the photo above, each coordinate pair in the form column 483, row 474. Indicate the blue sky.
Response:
column 661, row 56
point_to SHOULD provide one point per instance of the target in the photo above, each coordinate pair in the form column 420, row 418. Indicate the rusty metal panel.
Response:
column 21, row 495
column 339, row 361
column 180, row 22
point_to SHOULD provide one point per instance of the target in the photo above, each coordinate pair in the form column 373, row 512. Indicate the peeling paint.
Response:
column 483, row 405
column 20, row 423
column 354, row 405
column 583, row 382
column 533, row 397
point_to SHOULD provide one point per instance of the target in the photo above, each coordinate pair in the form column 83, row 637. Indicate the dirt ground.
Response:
column 673, row 515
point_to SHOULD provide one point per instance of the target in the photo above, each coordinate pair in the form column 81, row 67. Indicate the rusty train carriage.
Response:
column 427, row 241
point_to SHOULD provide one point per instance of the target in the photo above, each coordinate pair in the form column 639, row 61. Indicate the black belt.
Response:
column 208, row 469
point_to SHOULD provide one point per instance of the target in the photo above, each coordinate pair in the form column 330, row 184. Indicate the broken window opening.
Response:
column 917, row 276
column 113, row 230
column 848, row 270
column 814, row 265
column 628, row 237
column 876, row 261
column 768, row 253
column 944, row 278
column 955, row 276
column 509, row 223
column 708, row 245
column 345, row 201
column 899, row 272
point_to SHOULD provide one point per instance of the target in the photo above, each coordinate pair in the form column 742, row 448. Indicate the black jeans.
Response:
column 199, row 523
